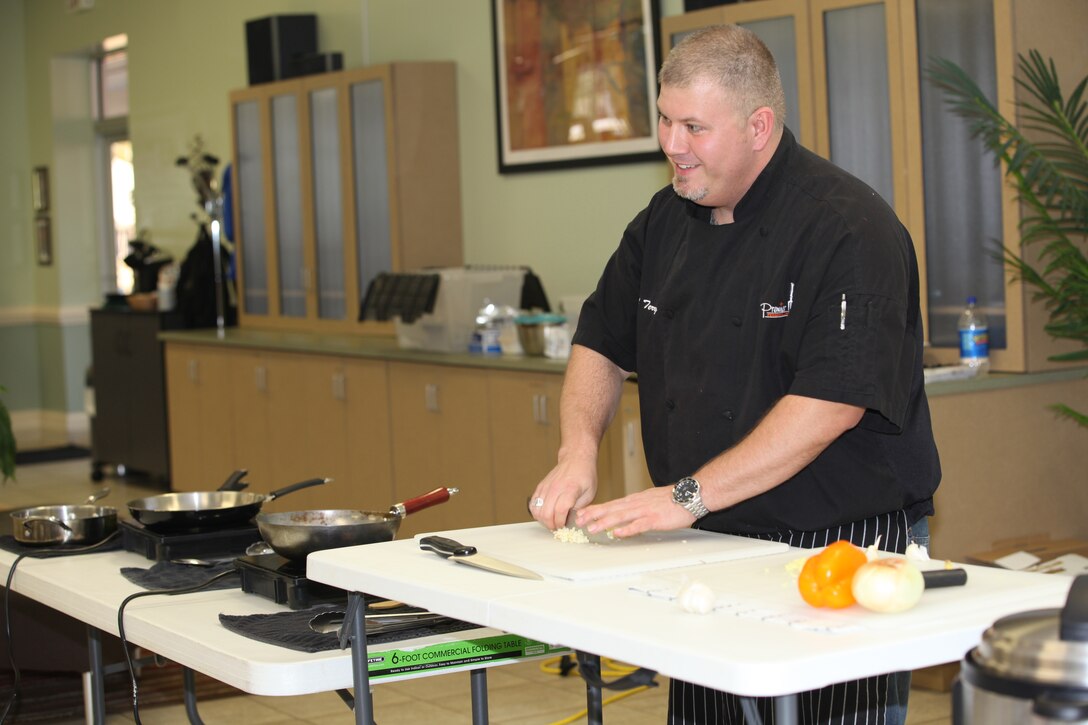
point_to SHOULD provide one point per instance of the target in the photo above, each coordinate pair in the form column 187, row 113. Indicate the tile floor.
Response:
column 522, row 694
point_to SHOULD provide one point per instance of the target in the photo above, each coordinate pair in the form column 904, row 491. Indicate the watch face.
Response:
column 685, row 491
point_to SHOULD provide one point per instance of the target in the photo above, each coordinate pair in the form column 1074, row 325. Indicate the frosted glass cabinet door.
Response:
column 780, row 37
column 287, row 176
column 858, row 106
column 250, row 179
column 962, row 183
column 328, row 205
column 373, row 231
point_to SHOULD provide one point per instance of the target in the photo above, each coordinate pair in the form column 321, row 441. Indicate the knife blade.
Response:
column 456, row 551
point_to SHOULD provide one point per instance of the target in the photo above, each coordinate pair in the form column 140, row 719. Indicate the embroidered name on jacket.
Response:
column 782, row 309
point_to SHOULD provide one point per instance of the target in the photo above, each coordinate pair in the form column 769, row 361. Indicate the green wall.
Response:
column 184, row 58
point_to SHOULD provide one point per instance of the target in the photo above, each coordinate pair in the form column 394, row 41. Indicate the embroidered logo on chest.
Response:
column 769, row 311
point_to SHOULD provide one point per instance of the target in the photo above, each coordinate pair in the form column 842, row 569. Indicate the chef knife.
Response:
column 456, row 551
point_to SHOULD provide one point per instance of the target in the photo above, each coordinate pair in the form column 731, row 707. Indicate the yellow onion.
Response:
column 888, row 585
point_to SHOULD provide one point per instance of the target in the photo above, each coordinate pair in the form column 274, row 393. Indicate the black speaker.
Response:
column 690, row 5
column 311, row 63
column 273, row 42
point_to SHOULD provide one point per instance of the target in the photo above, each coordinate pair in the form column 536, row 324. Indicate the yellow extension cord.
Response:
column 609, row 668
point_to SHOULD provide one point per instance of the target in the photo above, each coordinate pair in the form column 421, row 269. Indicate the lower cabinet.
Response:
column 383, row 430
column 202, row 420
column 303, row 416
column 440, row 437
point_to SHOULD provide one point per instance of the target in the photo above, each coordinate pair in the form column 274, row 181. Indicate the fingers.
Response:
column 650, row 510
column 560, row 491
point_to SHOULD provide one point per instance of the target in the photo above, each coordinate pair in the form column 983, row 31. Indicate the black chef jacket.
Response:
column 719, row 322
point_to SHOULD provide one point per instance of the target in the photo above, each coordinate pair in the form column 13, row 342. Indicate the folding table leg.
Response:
column 97, row 689
column 594, row 694
column 360, row 673
column 189, row 689
column 478, row 679
column 785, row 710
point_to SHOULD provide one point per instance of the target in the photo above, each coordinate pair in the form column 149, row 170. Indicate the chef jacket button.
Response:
column 736, row 320
column 727, row 414
column 670, row 404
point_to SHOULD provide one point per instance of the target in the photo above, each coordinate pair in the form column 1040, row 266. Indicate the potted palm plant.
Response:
column 7, row 442
column 1046, row 158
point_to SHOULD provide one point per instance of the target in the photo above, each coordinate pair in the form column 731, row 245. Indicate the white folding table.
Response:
column 761, row 641
column 186, row 629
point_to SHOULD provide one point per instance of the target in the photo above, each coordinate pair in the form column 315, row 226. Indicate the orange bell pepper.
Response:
column 825, row 579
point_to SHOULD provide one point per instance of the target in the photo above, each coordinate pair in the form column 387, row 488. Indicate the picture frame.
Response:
column 43, row 241
column 39, row 188
column 575, row 82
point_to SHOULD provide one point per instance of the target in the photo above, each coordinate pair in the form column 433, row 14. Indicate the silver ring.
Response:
column 538, row 502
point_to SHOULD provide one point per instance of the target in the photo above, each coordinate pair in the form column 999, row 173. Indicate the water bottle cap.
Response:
column 972, row 300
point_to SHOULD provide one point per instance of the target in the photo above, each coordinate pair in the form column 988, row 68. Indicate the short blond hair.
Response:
column 736, row 60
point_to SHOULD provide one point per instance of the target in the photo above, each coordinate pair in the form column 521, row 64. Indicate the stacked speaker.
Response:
column 285, row 46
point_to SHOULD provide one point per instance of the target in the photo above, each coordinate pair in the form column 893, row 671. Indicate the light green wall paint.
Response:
column 20, row 369
column 16, row 239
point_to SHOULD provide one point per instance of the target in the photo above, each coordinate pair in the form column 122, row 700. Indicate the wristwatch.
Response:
column 686, row 493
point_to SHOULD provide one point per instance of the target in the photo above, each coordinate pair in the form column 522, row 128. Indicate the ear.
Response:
column 761, row 126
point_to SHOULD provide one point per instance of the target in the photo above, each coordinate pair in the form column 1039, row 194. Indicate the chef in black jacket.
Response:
column 768, row 303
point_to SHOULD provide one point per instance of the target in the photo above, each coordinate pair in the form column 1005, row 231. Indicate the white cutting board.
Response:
column 532, row 546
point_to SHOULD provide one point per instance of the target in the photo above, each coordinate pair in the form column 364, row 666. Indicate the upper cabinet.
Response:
column 854, row 74
column 339, row 177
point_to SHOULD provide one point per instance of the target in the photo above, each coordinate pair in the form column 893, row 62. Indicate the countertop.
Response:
column 386, row 348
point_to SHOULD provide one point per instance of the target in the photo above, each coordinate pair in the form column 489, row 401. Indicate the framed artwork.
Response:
column 39, row 188
column 575, row 82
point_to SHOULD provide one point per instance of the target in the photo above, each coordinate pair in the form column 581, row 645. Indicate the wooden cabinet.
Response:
column 327, row 417
column 383, row 430
column 524, row 420
column 283, row 417
column 202, row 420
column 525, row 437
column 441, row 437
column 130, row 422
column 339, row 177
column 629, row 463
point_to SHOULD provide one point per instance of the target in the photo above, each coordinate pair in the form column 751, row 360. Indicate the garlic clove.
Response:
column 696, row 597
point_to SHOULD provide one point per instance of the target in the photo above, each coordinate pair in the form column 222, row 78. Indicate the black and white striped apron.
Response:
column 860, row 702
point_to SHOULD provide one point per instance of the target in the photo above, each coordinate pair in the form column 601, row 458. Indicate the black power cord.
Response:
column 124, row 641
column 16, row 675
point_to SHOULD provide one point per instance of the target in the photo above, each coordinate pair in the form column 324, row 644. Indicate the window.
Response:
column 109, row 94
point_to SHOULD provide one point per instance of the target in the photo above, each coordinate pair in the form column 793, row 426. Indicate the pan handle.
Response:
column 296, row 486
column 431, row 498
column 234, row 481
column 48, row 519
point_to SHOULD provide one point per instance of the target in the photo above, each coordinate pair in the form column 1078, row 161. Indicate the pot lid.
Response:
column 1048, row 646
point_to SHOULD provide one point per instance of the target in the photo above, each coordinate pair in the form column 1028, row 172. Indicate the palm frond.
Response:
column 1050, row 172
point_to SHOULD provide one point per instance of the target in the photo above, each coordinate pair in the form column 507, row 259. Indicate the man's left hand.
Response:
column 649, row 510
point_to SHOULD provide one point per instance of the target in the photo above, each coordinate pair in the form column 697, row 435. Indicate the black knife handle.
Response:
column 445, row 547
column 944, row 578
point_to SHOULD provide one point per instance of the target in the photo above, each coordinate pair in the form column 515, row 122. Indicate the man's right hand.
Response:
column 572, row 484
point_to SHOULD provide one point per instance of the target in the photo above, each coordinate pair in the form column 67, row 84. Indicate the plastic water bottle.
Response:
column 974, row 337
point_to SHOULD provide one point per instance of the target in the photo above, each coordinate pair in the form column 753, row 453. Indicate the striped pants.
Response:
column 871, row 701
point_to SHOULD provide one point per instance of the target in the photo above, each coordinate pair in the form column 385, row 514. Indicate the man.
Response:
column 768, row 302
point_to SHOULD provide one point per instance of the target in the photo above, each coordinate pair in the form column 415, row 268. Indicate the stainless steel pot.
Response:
column 1030, row 667
column 296, row 534
column 51, row 525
